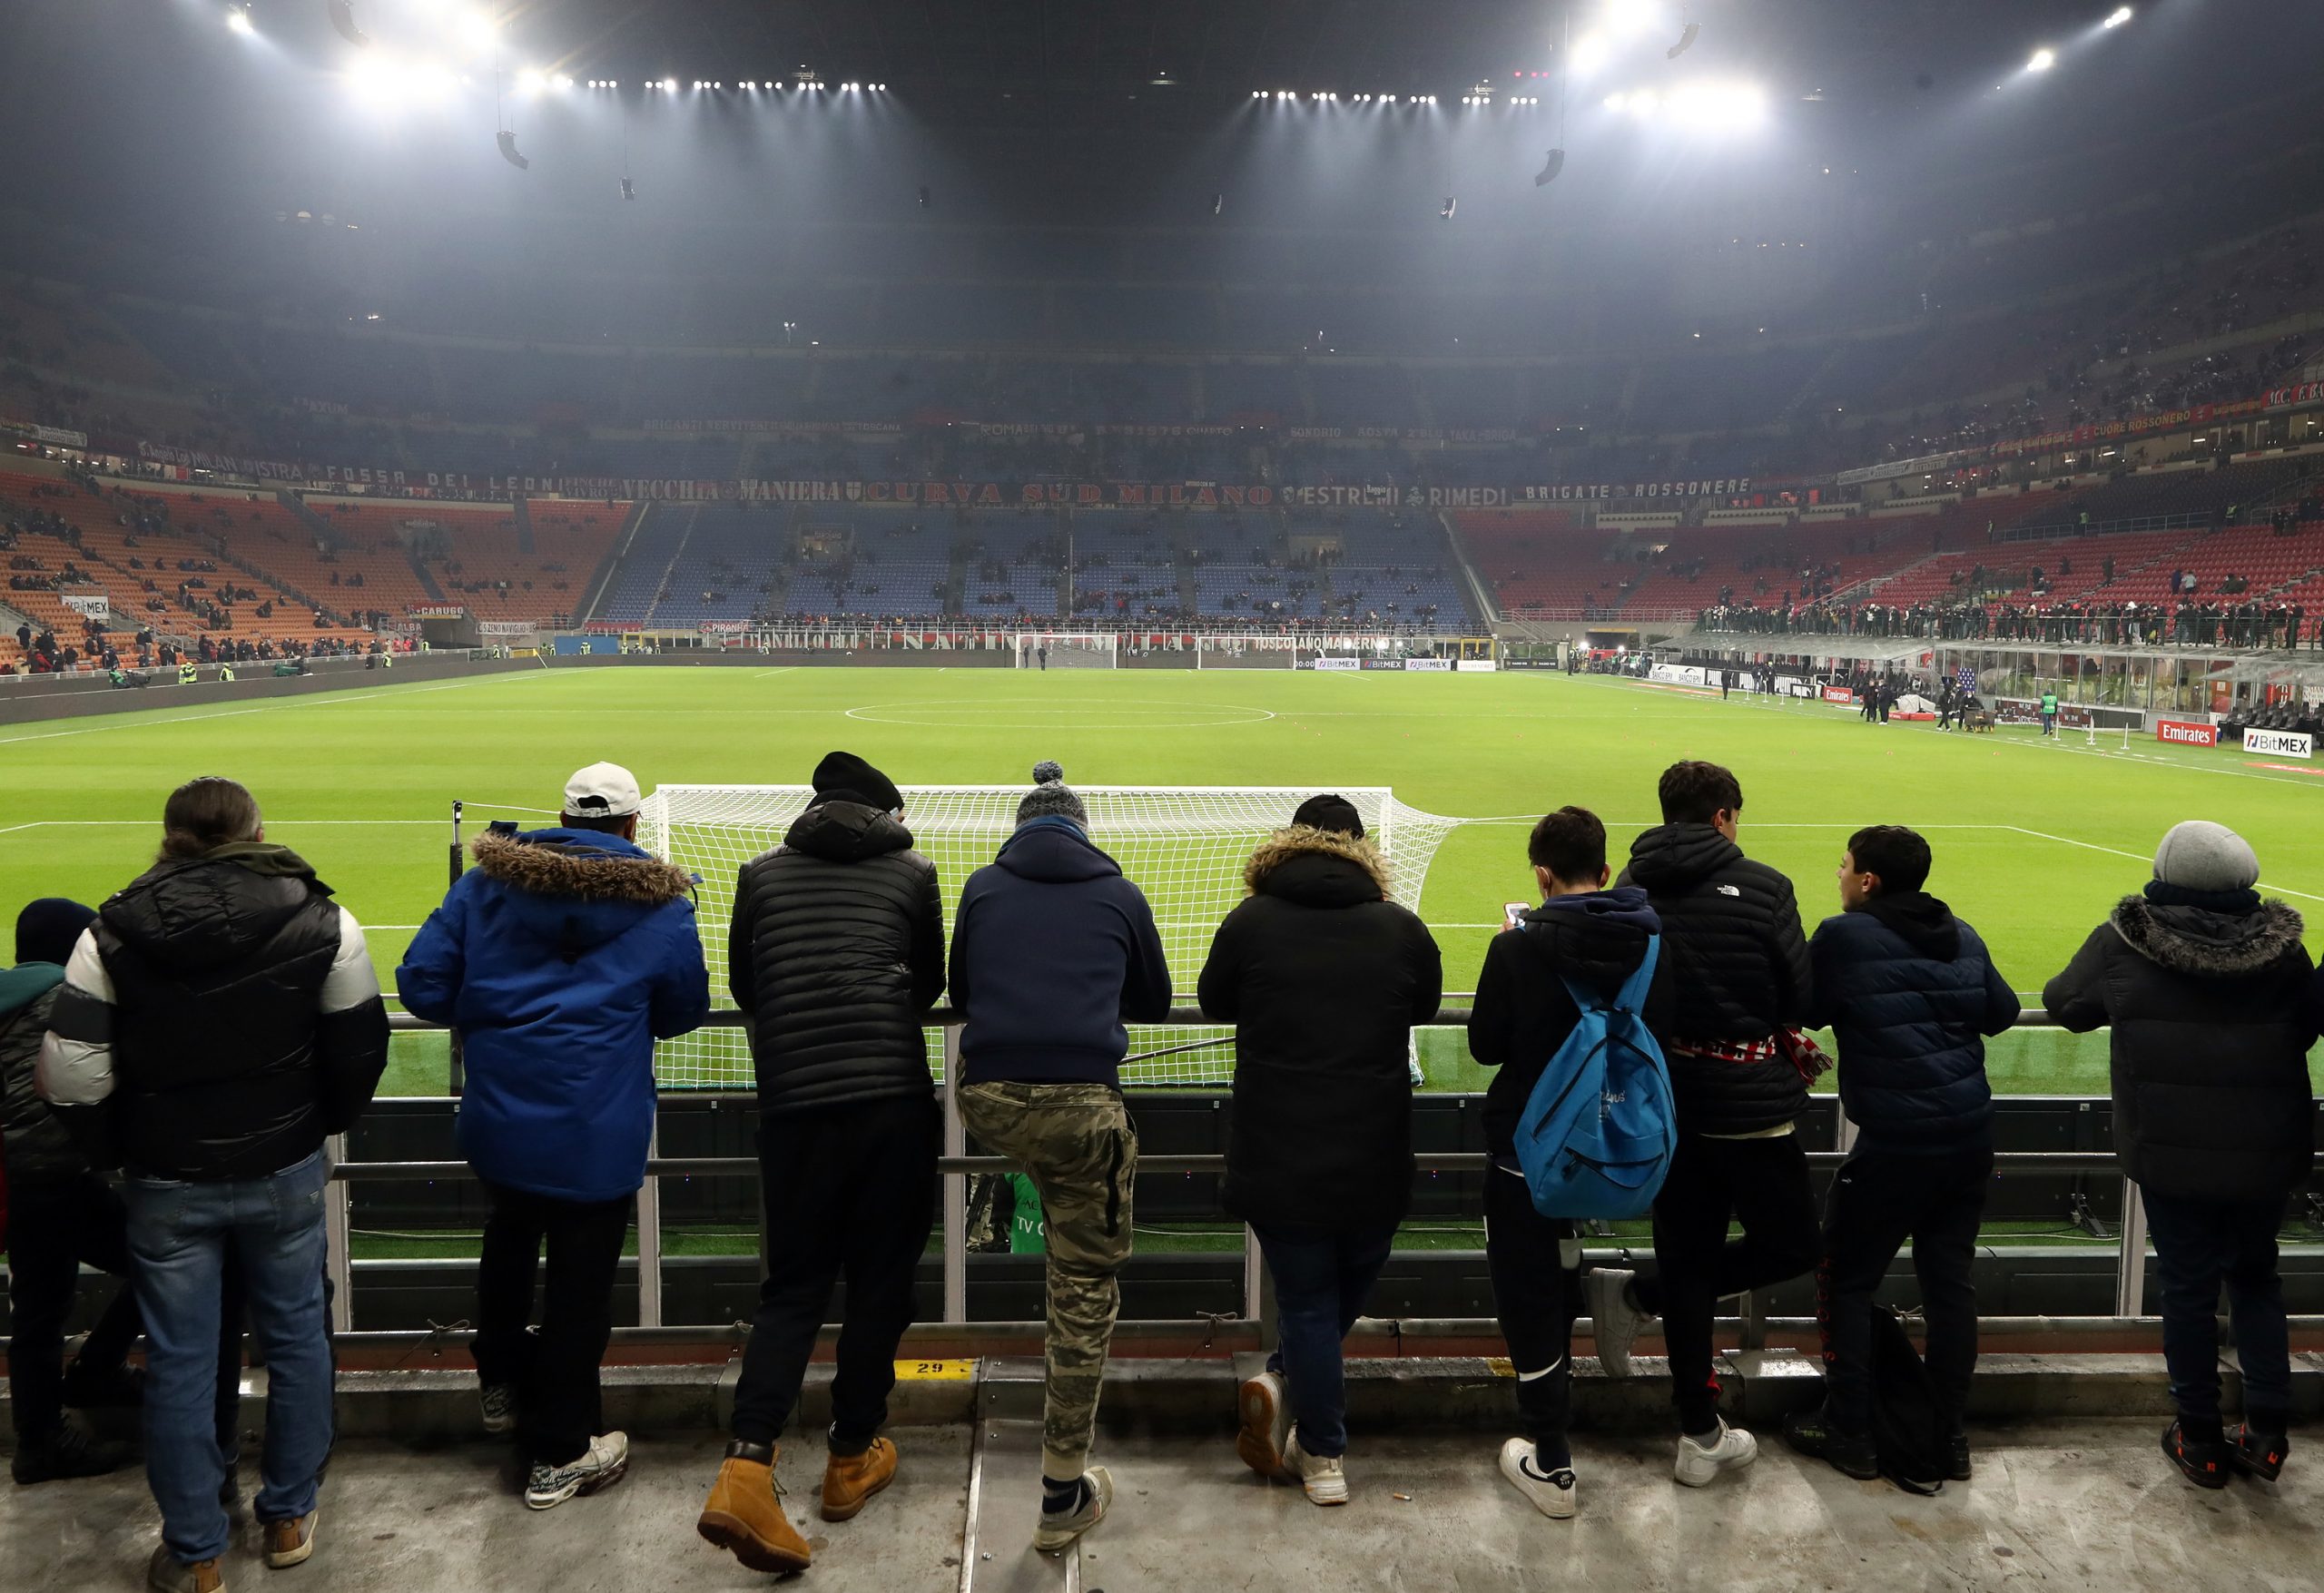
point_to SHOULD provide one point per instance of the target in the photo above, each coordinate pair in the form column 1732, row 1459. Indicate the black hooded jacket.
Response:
column 2210, row 1021
column 1738, row 970
column 1323, row 977
column 1524, row 1012
column 223, row 1014
column 835, row 955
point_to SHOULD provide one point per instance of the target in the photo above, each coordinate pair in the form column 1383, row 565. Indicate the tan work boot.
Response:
column 851, row 1480
column 288, row 1543
column 165, row 1573
column 744, row 1514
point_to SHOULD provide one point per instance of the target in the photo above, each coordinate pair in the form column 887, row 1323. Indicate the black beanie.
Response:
column 844, row 777
column 47, row 928
column 1332, row 811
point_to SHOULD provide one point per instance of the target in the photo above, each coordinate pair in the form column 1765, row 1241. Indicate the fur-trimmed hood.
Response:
column 1319, row 867
column 580, row 864
column 2208, row 945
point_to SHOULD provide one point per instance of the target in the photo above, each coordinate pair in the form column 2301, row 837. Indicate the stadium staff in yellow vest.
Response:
column 187, row 673
column 836, row 954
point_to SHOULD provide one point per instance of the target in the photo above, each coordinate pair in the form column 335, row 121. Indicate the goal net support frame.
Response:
column 1068, row 650
column 1184, row 846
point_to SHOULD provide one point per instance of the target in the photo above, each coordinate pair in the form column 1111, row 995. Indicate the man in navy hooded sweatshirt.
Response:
column 1053, row 952
column 560, row 959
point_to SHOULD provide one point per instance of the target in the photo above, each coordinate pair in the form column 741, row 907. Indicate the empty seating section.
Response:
column 1541, row 563
column 1708, row 393
column 898, row 562
column 1390, row 564
column 1350, row 393
column 1126, row 567
column 1697, row 562
column 2207, row 493
column 728, row 564
column 380, row 375
column 1243, row 391
column 1010, row 562
column 1478, row 397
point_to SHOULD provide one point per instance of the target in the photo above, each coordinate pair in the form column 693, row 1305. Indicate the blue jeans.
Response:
column 2198, row 1245
column 178, row 1235
column 1321, row 1280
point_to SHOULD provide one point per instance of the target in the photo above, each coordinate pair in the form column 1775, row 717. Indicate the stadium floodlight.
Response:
column 2042, row 61
column 1550, row 169
column 477, row 29
column 508, row 142
column 1589, row 52
column 562, row 82
column 669, row 85
column 342, row 18
column 2117, row 17
column 238, row 20
column 531, row 82
column 1687, row 38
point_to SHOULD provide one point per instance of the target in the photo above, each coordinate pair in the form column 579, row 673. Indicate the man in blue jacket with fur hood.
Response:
column 1911, row 995
column 560, row 959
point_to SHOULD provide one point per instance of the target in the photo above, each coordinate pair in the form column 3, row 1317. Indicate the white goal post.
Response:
column 1184, row 846
column 1066, row 649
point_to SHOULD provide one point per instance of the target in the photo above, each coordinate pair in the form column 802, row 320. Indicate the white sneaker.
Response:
column 1058, row 1530
column 1264, row 1404
column 1552, row 1492
column 498, row 1400
column 599, row 1466
column 1325, row 1478
column 1615, row 1318
column 1699, row 1463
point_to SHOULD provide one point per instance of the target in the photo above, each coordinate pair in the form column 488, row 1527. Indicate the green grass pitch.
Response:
column 2034, row 841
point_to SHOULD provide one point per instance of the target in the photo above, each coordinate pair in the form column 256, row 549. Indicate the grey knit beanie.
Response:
column 1051, row 796
column 2200, row 855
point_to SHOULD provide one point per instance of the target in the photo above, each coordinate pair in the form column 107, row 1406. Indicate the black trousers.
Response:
column 1879, row 1201
column 1761, row 1184
column 554, row 1370
column 1537, row 1300
column 53, row 1230
column 851, row 1195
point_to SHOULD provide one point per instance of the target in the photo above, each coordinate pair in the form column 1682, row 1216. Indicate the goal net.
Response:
column 1184, row 846
column 1065, row 650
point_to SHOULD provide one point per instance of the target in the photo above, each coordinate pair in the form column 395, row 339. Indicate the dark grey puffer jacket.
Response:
column 2210, row 1030
column 1738, row 970
column 40, row 1150
column 836, row 952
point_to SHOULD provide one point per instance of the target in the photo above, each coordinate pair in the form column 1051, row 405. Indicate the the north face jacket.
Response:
column 835, row 955
column 2211, row 1026
column 218, row 1021
column 560, row 958
column 39, row 1149
column 1053, row 952
column 1323, row 977
column 1911, row 995
column 1738, row 971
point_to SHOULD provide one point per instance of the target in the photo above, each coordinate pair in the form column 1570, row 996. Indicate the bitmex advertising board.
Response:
column 2182, row 733
column 2282, row 744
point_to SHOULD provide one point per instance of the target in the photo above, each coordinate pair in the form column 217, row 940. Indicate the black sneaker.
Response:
column 1956, row 1457
column 68, row 1453
column 2206, row 1465
column 1811, row 1435
column 2258, row 1454
column 115, row 1387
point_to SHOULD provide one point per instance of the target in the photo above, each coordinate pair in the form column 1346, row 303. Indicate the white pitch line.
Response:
column 2136, row 857
column 359, row 695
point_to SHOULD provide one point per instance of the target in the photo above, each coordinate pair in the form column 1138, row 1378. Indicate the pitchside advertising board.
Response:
column 2281, row 743
column 2180, row 732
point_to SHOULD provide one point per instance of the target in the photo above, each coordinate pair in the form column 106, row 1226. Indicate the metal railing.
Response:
column 955, row 1167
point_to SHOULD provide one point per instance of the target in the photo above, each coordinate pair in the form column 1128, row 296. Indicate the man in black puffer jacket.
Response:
column 1739, row 970
column 836, row 957
column 1910, row 993
column 218, row 1022
column 61, row 1216
column 2205, row 989
column 1323, row 977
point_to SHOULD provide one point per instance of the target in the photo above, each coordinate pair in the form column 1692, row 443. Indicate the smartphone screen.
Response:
column 1513, row 913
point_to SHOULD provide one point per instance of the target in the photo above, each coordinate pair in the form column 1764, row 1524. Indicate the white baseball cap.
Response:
column 602, row 790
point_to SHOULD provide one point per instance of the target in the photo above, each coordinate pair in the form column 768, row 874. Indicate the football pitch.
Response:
column 2034, row 841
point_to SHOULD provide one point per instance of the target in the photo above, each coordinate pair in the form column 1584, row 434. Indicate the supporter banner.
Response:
column 1568, row 492
column 775, row 427
column 435, row 610
column 89, row 604
column 2137, row 425
column 506, row 627
column 1429, row 665
column 1164, row 431
column 2306, row 392
column 2181, row 733
column 2284, row 743
column 1338, row 664
column 724, row 627
column 1475, row 666
column 1925, row 465
column 320, row 406
column 60, row 437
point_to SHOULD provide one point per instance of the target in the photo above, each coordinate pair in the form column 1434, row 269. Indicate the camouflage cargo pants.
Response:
column 1075, row 1143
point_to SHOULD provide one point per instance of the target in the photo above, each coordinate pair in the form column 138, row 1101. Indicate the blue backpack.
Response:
column 1597, row 1134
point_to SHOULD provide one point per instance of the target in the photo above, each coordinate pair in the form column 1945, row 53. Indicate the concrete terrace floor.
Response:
column 2081, row 1505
